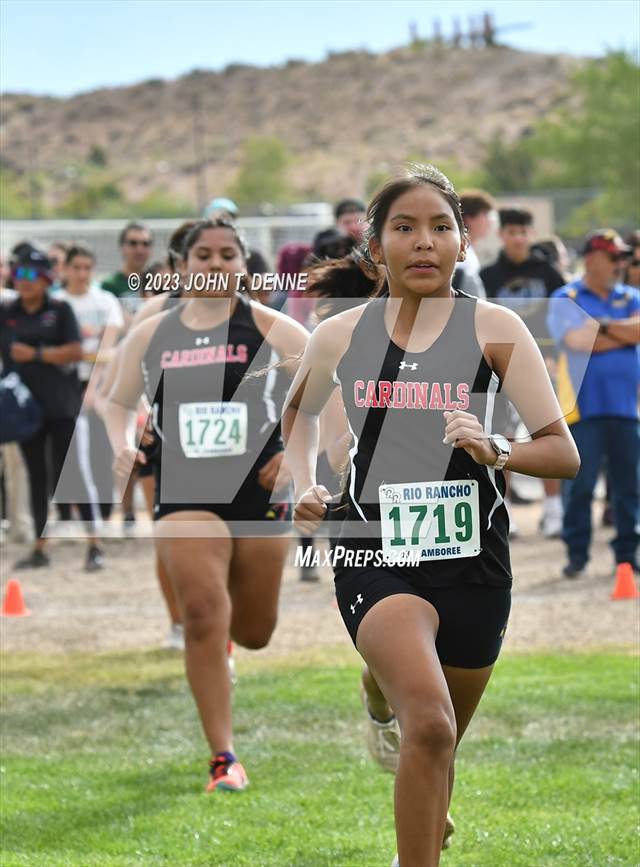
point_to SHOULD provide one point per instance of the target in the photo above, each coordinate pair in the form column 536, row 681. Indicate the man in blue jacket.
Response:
column 598, row 379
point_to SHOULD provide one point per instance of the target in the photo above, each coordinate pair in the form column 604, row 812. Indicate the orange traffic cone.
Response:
column 13, row 603
column 625, row 585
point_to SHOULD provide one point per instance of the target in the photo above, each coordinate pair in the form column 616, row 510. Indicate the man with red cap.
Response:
column 598, row 389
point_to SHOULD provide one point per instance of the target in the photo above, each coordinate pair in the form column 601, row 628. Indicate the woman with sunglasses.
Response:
column 40, row 340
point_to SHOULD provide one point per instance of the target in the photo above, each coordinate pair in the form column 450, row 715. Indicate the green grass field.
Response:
column 103, row 763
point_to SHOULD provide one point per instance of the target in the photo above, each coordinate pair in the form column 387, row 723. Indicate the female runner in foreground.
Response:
column 221, row 456
column 420, row 372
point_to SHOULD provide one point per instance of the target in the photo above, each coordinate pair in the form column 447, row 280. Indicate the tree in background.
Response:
column 595, row 145
column 507, row 168
column 16, row 196
column 263, row 173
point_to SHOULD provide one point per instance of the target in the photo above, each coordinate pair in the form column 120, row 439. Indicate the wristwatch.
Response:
column 605, row 322
column 37, row 354
column 502, row 447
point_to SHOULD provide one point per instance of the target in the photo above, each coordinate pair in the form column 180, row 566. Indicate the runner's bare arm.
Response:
column 108, row 378
column 310, row 390
column 512, row 352
column 148, row 309
column 121, row 404
column 289, row 340
column 286, row 336
column 335, row 436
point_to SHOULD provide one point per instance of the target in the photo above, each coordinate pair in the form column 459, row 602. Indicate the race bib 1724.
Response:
column 430, row 520
column 212, row 430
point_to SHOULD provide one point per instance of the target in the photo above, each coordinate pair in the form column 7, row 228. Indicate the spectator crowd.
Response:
column 59, row 330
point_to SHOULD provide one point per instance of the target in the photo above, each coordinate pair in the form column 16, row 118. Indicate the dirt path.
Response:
column 121, row 607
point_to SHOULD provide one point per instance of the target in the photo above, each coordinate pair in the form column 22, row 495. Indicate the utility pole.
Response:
column 198, row 154
column 30, row 150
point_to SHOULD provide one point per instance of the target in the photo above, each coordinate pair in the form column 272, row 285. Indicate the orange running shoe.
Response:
column 227, row 774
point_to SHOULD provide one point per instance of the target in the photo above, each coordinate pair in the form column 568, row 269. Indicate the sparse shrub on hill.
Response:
column 263, row 173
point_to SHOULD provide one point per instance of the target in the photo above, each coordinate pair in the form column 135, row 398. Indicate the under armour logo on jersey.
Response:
column 202, row 341
column 405, row 365
column 357, row 602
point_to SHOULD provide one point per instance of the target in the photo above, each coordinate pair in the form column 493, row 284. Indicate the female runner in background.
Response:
column 217, row 432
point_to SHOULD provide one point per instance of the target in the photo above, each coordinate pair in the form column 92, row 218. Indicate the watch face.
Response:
column 502, row 443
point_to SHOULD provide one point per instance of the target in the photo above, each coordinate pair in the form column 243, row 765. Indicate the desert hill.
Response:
column 343, row 119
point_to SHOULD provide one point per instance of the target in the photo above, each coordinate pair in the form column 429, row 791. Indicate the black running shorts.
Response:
column 251, row 503
column 473, row 617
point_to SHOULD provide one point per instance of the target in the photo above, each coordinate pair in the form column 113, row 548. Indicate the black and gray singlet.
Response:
column 434, row 500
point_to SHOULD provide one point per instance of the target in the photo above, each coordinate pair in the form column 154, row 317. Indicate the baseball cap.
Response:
column 32, row 258
column 607, row 240
column 220, row 204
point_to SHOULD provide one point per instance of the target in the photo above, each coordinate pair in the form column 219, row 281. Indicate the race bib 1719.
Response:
column 431, row 520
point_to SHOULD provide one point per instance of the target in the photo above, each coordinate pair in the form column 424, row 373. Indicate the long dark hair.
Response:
column 176, row 242
column 334, row 280
column 380, row 205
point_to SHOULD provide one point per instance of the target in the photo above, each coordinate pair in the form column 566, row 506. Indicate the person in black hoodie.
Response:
column 522, row 278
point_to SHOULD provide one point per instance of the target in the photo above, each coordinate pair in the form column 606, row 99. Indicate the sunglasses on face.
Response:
column 138, row 243
column 30, row 274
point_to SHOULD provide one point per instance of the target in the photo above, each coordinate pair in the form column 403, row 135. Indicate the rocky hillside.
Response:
column 343, row 119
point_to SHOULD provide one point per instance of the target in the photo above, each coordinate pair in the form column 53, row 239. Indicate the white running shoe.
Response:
column 552, row 518
column 514, row 529
column 383, row 739
column 552, row 526
column 449, row 828
column 175, row 638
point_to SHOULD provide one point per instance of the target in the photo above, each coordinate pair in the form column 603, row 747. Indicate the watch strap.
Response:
column 502, row 455
column 500, row 461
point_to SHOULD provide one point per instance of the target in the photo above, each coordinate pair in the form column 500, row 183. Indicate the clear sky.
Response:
column 61, row 48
